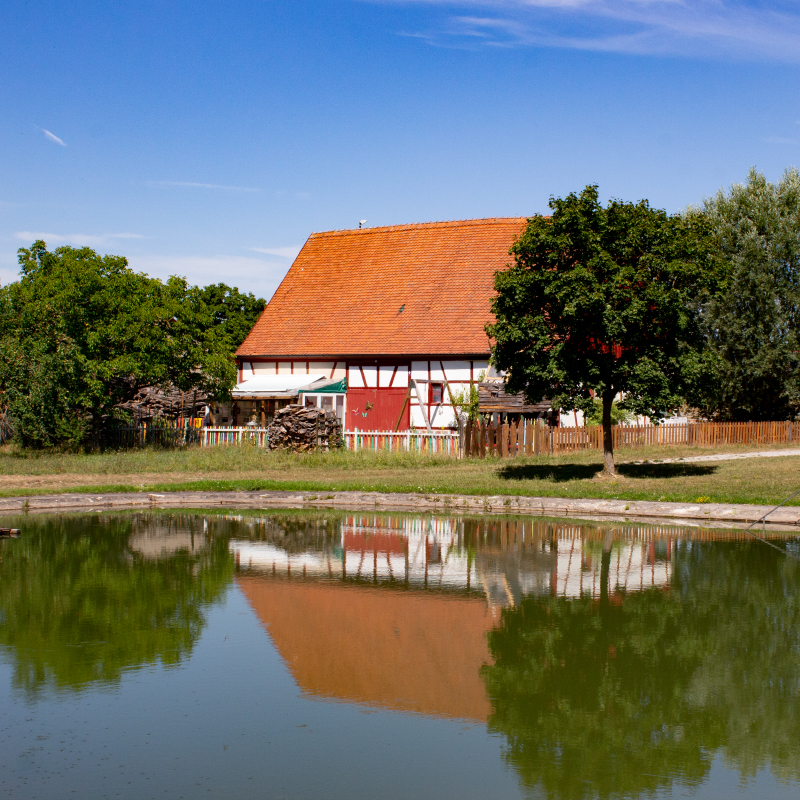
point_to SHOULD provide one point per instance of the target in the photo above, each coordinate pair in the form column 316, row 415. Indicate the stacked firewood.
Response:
column 153, row 401
column 303, row 428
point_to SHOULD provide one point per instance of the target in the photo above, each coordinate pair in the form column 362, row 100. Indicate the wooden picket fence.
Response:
column 529, row 438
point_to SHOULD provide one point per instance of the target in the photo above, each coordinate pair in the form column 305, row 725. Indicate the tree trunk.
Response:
column 605, row 568
column 608, row 441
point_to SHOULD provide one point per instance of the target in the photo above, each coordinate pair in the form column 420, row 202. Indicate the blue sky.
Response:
column 209, row 139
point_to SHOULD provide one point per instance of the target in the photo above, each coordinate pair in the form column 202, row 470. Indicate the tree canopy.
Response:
column 753, row 324
column 635, row 694
column 81, row 333
column 601, row 301
column 80, row 604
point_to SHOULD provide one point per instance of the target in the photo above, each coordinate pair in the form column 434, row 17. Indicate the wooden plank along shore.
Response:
column 530, row 438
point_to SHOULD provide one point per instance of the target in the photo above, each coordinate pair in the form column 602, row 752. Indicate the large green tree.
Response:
column 233, row 313
column 81, row 333
column 601, row 301
column 753, row 326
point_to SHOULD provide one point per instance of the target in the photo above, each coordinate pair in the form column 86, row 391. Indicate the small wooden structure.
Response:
column 494, row 399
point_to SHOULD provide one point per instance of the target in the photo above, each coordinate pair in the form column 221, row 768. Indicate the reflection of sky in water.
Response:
column 350, row 656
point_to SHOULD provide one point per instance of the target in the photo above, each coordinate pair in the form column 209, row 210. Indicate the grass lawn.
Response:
column 764, row 481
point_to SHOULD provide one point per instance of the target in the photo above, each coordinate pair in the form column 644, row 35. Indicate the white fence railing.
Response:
column 438, row 442
column 444, row 442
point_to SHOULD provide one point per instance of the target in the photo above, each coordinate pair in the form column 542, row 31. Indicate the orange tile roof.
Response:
column 343, row 294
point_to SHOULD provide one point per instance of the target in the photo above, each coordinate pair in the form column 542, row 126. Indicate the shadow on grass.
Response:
column 563, row 473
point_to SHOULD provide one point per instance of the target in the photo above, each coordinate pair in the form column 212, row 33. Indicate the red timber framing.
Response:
column 416, row 392
column 400, row 311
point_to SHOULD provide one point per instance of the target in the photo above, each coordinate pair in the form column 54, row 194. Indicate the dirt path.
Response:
column 719, row 457
column 70, row 479
column 67, row 480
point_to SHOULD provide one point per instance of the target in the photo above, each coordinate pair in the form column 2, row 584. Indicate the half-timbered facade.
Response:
column 384, row 325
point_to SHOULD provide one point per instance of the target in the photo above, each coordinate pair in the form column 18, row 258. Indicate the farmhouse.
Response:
column 383, row 325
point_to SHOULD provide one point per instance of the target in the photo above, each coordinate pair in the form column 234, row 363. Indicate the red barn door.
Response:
column 373, row 409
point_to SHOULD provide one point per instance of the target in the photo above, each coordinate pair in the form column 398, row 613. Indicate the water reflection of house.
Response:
column 393, row 612
column 504, row 560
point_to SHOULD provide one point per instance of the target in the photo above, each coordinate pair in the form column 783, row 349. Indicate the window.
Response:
column 311, row 400
column 437, row 393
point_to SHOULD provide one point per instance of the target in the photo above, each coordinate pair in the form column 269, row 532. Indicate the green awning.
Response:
column 332, row 387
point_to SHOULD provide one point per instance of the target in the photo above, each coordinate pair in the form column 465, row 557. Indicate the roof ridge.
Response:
column 417, row 225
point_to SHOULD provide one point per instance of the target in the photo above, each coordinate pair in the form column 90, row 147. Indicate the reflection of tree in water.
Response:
column 629, row 694
column 79, row 604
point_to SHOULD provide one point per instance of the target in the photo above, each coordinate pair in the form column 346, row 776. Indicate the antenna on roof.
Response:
column 361, row 223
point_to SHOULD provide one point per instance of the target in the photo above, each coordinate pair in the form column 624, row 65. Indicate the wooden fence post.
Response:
column 529, row 438
column 504, row 440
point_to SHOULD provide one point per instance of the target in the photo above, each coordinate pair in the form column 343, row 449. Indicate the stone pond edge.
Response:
column 696, row 514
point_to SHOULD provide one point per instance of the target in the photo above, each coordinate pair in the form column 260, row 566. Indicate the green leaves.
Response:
column 752, row 324
column 633, row 695
column 602, row 301
column 81, row 333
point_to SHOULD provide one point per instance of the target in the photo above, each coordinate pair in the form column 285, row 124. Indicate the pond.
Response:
column 333, row 655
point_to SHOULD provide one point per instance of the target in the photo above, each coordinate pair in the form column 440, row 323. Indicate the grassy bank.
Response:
column 763, row 481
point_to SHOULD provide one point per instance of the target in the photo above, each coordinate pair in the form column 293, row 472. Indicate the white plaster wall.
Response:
column 419, row 370
column 456, row 371
column 417, row 418
column 385, row 375
column 354, row 378
column 285, row 368
column 319, row 367
column 401, row 378
column 370, row 376
column 436, row 371
column 339, row 371
column 247, row 370
column 443, row 417
column 264, row 367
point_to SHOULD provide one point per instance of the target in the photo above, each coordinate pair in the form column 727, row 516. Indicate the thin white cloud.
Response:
column 780, row 140
column 9, row 269
column 248, row 274
column 283, row 252
column 707, row 28
column 75, row 239
column 193, row 185
column 53, row 138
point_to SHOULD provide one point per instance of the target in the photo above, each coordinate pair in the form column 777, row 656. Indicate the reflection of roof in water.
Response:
column 393, row 611
column 401, row 650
